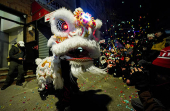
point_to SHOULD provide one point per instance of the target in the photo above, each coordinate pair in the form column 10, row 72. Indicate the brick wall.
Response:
column 23, row 6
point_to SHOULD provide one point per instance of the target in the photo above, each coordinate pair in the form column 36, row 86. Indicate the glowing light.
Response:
column 123, row 22
column 128, row 30
column 140, row 6
column 86, row 16
column 113, row 26
column 123, row 2
column 80, row 49
column 65, row 26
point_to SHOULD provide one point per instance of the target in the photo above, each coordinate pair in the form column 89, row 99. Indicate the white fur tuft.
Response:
column 98, row 24
column 38, row 61
column 65, row 15
column 51, row 41
column 73, row 43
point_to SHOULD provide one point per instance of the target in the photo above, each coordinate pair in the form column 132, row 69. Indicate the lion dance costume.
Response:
column 71, row 31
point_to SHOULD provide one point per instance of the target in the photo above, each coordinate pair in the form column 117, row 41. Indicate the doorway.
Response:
column 11, row 31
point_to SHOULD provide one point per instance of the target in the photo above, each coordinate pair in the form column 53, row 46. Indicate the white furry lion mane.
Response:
column 71, row 31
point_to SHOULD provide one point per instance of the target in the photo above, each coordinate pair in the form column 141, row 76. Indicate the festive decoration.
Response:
column 71, row 31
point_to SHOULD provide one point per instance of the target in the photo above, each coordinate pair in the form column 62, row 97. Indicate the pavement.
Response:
column 100, row 93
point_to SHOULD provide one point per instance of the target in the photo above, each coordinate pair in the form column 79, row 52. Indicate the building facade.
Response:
column 27, row 19
column 14, row 15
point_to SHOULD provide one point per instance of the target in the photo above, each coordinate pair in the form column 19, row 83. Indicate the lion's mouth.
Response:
column 79, row 54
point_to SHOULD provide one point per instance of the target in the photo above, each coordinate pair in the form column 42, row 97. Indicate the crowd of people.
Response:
column 145, row 66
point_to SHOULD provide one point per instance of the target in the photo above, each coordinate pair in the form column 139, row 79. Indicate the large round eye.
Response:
column 62, row 25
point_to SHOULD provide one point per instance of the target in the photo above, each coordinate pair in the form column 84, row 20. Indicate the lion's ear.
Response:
column 98, row 24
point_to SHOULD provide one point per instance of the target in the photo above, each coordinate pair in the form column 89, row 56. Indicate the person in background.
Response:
column 154, row 87
column 112, row 51
column 17, row 55
column 126, row 67
column 160, row 40
column 111, row 65
column 159, row 44
column 127, row 49
column 118, row 70
column 148, row 46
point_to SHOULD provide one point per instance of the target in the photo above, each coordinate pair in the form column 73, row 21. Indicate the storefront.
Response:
column 30, row 27
column 39, row 11
column 12, row 30
column 35, row 34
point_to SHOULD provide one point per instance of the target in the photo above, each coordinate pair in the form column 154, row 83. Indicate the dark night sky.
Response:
column 156, row 9
column 157, row 14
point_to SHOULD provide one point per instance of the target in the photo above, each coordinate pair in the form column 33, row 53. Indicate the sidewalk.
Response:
column 114, row 96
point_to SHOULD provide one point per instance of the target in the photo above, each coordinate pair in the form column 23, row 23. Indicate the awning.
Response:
column 40, row 8
column 38, row 11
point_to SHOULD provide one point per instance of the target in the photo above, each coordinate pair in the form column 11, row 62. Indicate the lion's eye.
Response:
column 62, row 25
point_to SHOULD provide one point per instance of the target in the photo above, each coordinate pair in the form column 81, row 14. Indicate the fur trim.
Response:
column 65, row 15
column 49, row 74
column 80, row 63
column 73, row 43
column 78, row 69
column 38, row 61
column 98, row 24
column 51, row 41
